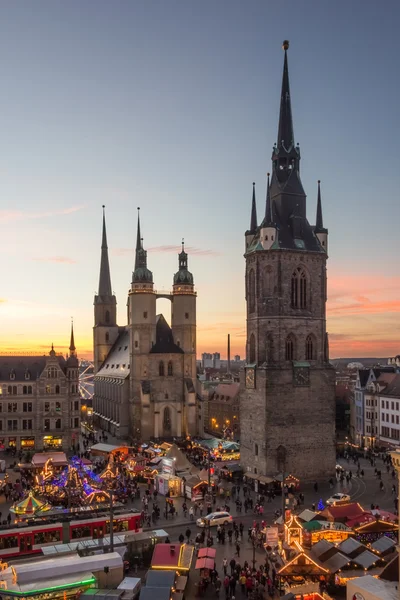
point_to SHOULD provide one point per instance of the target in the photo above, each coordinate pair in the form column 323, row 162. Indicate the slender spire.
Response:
column 253, row 219
column 72, row 349
column 285, row 128
column 105, row 278
column 268, row 205
column 319, row 224
column 139, row 240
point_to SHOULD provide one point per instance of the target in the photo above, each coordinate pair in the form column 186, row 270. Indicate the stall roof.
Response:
column 383, row 544
column 336, row 562
column 307, row 515
column 106, row 448
column 102, row 594
column 64, row 565
column 155, row 593
column 321, row 548
column 172, row 556
column 40, row 458
column 42, row 585
column 370, row 586
column 160, row 579
column 351, row 546
column 366, row 559
column 130, row 583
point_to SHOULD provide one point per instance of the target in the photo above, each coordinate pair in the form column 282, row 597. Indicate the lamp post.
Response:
column 396, row 463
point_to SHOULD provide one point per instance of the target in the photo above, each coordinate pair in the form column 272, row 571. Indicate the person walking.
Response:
column 225, row 565
column 238, row 549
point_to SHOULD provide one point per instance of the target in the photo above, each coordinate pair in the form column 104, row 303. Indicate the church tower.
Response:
column 287, row 403
column 142, row 335
column 105, row 330
column 183, row 315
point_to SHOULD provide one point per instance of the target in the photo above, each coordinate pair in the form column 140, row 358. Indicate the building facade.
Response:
column 145, row 371
column 224, row 411
column 40, row 401
column 287, row 400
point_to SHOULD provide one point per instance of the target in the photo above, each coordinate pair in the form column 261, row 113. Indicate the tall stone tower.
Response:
column 183, row 315
column 287, row 403
column 142, row 336
column 105, row 330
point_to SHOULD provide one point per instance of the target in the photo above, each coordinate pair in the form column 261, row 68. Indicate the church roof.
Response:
column 116, row 365
column 164, row 339
column 25, row 368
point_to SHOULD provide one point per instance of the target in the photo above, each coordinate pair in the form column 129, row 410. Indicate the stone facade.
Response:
column 145, row 383
column 287, row 399
column 40, row 402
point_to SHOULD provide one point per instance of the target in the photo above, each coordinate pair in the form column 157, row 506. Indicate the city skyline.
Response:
column 115, row 116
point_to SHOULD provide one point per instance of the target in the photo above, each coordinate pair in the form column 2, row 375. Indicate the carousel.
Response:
column 29, row 506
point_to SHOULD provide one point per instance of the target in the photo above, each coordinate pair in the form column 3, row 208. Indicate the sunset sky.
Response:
column 172, row 105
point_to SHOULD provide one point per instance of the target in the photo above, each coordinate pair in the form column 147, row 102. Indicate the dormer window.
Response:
column 27, row 375
column 12, row 375
column 117, row 366
column 112, row 366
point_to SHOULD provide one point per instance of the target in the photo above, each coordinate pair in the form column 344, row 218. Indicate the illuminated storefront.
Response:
column 50, row 441
column 28, row 443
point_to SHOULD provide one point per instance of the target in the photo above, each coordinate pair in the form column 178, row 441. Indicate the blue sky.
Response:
column 173, row 106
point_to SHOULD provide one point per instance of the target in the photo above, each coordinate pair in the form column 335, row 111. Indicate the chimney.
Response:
column 229, row 353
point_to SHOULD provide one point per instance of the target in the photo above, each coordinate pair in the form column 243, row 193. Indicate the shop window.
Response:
column 27, row 407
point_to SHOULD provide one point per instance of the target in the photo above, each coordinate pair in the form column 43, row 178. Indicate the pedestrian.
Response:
column 225, row 565
column 226, row 586
column 188, row 534
column 232, row 564
column 191, row 513
column 238, row 549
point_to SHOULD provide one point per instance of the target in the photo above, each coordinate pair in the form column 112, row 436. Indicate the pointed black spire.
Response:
column 72, row 349
column 285, row 128
column 141, row 274
column 253, row 219
column 105, row 278
column 138, row 240
column 319, row 224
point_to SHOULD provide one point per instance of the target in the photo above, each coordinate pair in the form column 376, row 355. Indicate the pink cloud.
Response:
column 18, row 215
column 57, row 259
column 192, row 250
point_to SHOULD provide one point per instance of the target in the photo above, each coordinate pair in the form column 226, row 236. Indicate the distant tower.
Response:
column 183, row 314
column 228, row 369
column 105, row 330
column 142, row 328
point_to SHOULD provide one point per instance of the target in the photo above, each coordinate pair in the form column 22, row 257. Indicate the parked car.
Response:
column 215, row 518
column 338, row 498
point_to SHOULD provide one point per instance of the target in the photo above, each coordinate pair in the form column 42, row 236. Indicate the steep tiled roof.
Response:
column 21, row 366
column 164, row 339
column 393, row 388
column 116, row 365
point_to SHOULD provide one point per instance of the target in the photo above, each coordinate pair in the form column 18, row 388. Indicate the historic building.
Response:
column 40, row 401
column 145, row 371
column 287, row 401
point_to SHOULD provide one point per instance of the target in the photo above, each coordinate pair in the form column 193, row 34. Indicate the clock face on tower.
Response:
column 250, row 377
column 301, row 375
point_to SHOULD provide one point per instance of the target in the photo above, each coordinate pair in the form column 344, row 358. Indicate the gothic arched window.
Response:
column 107, row 316
column 107, row 337
column 255, row 449
column 252, row 291
column 309, row 348
column 252, row 349
column 29, row 389
column 299, row 292
column 167, row 418
column 289, row 348
column 25, row 389
column 270, row 349
column 170, row 368
column 161, row 369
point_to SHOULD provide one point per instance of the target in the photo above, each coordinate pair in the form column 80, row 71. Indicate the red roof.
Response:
column 363, row 518
column 345, row 511
column 166, row 555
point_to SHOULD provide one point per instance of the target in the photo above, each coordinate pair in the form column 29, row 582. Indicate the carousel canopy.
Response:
column 181, row 462
column 28, row 506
